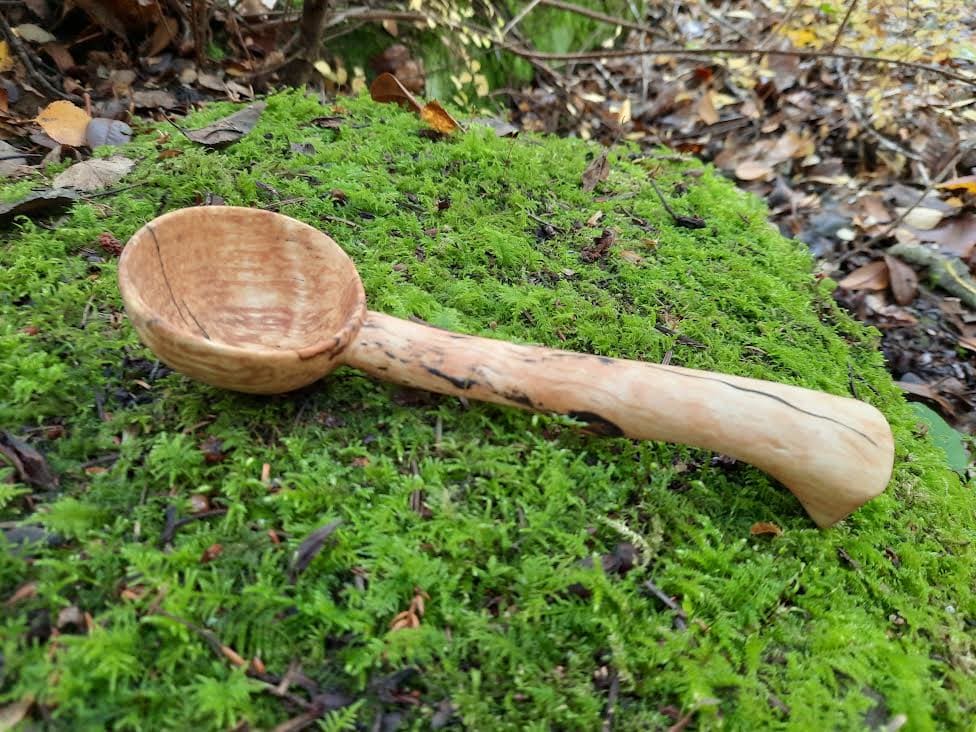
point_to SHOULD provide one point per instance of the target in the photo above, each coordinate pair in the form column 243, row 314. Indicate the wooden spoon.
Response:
column 254, row 301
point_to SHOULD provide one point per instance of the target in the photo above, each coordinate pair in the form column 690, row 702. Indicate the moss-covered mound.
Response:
column 465, row 527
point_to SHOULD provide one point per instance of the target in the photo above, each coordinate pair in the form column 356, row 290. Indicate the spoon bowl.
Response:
column 241, row 298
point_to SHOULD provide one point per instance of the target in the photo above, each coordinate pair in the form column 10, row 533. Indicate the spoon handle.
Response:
column 833, row 453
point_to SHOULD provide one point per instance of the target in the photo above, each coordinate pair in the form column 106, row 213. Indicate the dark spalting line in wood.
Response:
column 598, row 424
column 458, row 382
column 774, row 397
column 519, row 398
column 162, row 268
column 205, row 334
column 329, row 349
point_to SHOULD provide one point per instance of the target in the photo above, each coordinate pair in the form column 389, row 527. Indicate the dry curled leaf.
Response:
column 229, row 129
column 500, row 126
column 410, row 618
column 29, row 465
column 765, row 528
column 753, row 170
column 210, row 553
column 872, row 276
column 64, row 123
column 13, row 714
column 904, row 281
column 11, row 162
column 6, row 60
column 24, row 592
column 387, row 88
column 33, row 33
column 310, row 548
column 601, row 245
column 439, row 118
column 923, row 218
column 596, row 172
column 94, row 174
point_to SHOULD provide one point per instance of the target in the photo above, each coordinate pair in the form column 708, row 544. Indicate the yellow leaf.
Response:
column 6, row 60
column 803, row 38
column 64, row 122
column 966, row 183
column 439, row 118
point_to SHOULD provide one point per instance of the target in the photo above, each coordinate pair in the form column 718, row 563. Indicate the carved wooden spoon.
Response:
column 258, row 302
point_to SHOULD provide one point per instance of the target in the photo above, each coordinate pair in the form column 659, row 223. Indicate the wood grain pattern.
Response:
column 833, row 453
column 241, row 298
column 254, row 301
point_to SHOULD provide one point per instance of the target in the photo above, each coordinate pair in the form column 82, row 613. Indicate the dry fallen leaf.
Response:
column 13, row 714
column 706, row 108
column 104, row 131
column 953, row 236
column 923, row 218
column 154, row 98
column 904, row 281
column 33, row 33
column 926, row 391
column 94, row 174
column 410, row 618
column 6, row 60
column 24, row 592
column 387, row 88
column 211, row 552
column 11, row 161
column 753, row 170
column 597, row 171
column 500, row 126
column 439, row 118
column 601, row 245
column 229, row 129
column 966, row 183
column 872, row 276
column 968, row 343
column 310, row 548
column 37, row 204
column 765, row 528
column 29, row 465
column 65, row 123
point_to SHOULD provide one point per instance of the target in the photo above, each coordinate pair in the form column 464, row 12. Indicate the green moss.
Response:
column 809, row 630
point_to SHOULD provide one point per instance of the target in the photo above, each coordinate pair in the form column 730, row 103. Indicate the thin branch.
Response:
column 843, row 25
column 946, row 169
column 603, row 18
column 37, row 76
column 518, row 18
column 717, row 50
column 865, row 123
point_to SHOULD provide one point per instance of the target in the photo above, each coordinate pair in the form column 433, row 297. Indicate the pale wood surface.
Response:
column 253, row 301
column 833, row 453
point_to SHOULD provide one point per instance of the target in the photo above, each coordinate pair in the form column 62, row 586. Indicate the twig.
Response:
column 174, row 524
column 518, row 17
column 843, row 25
column 28, row 62
column 603, row 18
column 679, row 620
column 611, row 700
column 928, row 189
column 865, row 123
column 782, row 24
column 734, row 50
column 217, row 647
column 688, row 222
column 722, row 21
